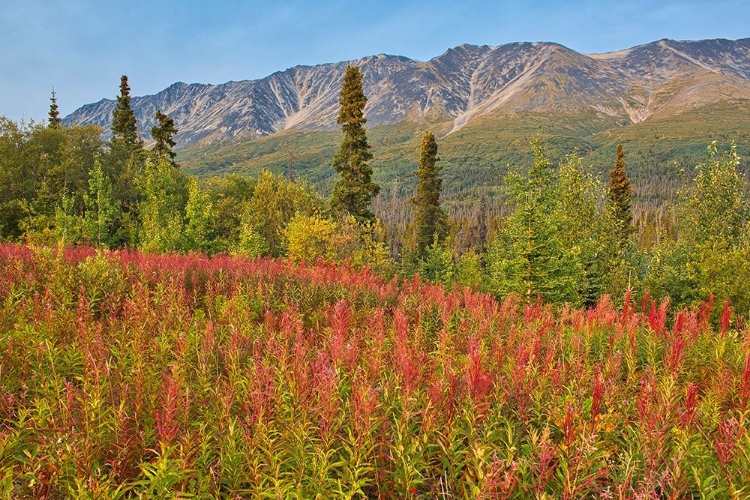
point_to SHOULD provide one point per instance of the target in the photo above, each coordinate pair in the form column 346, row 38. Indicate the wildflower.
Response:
column 728, row 435
column 686, row 415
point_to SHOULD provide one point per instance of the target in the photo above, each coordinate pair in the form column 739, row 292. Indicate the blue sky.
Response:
column 81, row 47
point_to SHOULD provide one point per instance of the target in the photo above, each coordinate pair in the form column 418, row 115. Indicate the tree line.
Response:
column 568, row 239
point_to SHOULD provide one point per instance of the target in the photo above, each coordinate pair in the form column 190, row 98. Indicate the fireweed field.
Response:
column 124, row 375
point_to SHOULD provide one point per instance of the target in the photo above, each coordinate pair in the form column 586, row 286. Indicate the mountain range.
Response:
column 513, row 87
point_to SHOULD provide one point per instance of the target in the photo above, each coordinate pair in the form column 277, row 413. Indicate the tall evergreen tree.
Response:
column 124, row 128
column 619, row 200
column 528, row 257
column 355, row 189
column 54, row 113
column 480, row 221
column 124, row 164
column 163, row 134
column 429, row 218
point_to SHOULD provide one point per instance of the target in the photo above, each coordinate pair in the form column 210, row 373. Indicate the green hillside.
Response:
column 476, row 156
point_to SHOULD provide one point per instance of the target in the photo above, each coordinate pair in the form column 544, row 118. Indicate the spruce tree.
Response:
column 355, row 189
column 619, row 200
column 125, row 163
column 124, row 128
column 479, row 229
column 528, row 256
column 163, row 134
column 54, row 113
column 429, row 218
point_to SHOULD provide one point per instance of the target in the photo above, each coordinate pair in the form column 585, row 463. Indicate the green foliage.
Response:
column 438, row 265
column 585, row 230
column 469, row 270
column 124, row 128
column 250, row 242
column 371, row 249
column 355, row 189
column 619, row 194
column 163, row 134
column 101, row 209
column 53, row 119
column 200, row 219
column 162, row 209
column 228, row 197
column 429, row 219
column 725, row 273
column 528, row 256
column 559, row 244
column 709, row 254
column 37, row 164
column 312, row 237
column 67, row 224
column 274, row 203
column 713, row 208
column 671, row 273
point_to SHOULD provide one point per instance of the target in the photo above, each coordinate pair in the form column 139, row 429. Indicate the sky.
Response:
column 82, row 47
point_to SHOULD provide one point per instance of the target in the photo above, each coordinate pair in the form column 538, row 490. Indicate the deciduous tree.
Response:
column 101, row 209
column 200, row 219
column 39, row 163
column 162, row 208
column 274, row 203
column 312, row 237
column 713, row 208
column 710, row 254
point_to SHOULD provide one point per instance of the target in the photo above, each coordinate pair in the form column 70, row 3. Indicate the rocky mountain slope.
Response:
column 465, row 84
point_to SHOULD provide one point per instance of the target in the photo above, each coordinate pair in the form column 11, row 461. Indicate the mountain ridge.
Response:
column 461, row 85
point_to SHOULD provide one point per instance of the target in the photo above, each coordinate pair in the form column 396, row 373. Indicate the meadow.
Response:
column 129, row 375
